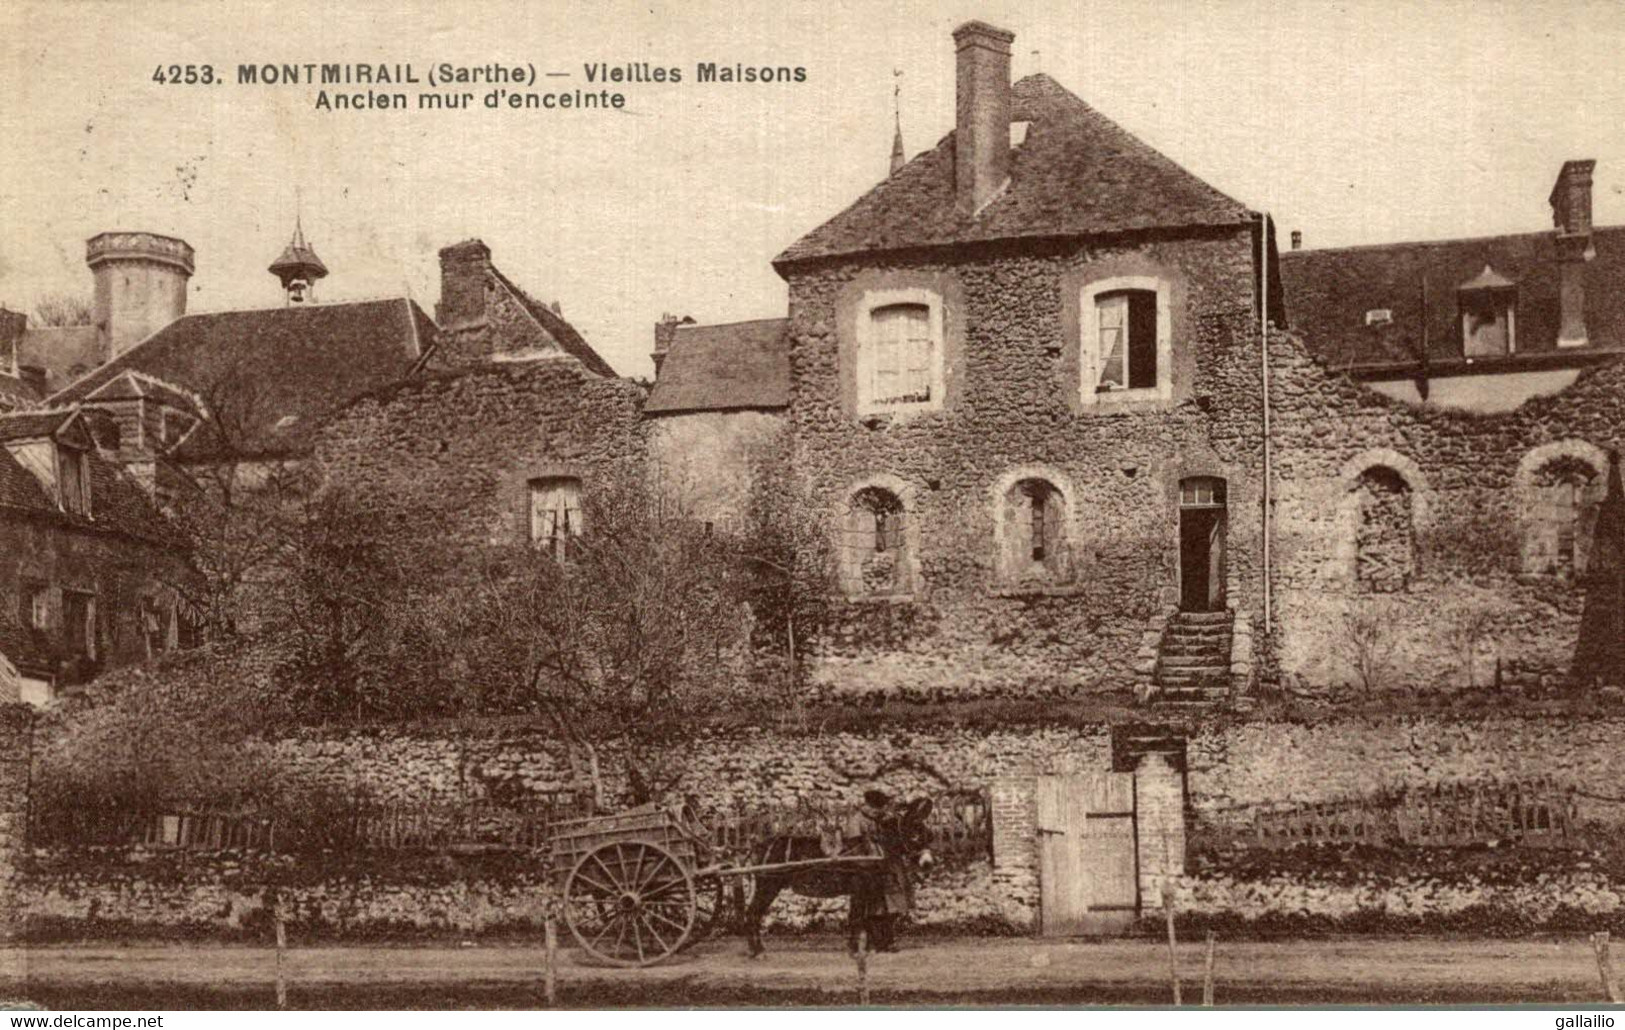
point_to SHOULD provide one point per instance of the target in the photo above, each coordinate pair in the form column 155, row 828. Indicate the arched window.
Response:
column 1385, row 535
column 1032, row 538
column 1563, row 507
column 875, row 558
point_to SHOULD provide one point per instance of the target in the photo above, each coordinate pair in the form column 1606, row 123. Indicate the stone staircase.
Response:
column 1193, row 665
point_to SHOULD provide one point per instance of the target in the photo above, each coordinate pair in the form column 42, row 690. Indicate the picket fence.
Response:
column 1536, row 812
column 961, row 824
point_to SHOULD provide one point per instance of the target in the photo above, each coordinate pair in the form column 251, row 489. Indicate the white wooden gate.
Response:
column 1088, row 872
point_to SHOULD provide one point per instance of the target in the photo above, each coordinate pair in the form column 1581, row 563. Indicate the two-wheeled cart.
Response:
column 639, row 886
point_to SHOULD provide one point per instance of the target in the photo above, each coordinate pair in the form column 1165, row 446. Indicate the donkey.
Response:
column 903, row 839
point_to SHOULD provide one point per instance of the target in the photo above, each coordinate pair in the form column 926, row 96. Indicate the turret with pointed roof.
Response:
column 298, row 268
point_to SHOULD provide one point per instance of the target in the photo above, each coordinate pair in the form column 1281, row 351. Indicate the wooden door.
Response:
column 1088, row 874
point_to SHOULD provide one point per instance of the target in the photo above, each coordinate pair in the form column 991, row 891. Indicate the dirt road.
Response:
column 972, row 970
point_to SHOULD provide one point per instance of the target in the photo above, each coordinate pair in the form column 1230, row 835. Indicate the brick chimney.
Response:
column 465, row 276
column 1571, row 215
column 982, row 114
column 665, row 336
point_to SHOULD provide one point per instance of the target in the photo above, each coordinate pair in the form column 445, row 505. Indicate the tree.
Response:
column 630, row 641
column 63, row 309
column 1366, row 642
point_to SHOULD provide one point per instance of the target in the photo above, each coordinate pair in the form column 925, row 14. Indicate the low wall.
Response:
column 1236, row 767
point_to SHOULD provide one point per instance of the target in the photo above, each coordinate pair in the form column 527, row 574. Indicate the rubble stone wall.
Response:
column 16, row 728
column 1012, row 398
column 1474, row 601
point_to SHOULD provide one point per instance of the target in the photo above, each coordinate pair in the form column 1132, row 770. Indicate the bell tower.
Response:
column 298, row 268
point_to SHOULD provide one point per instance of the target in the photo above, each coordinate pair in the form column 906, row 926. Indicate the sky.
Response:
column 1357, row 122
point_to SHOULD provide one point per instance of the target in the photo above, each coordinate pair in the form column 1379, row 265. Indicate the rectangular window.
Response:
column 33, row 604
column 1038, row 503
column 74, row 481
column 1128, row 340
column 1486, row 323
column 79, row 622
column 901, row 354
column 555, row 513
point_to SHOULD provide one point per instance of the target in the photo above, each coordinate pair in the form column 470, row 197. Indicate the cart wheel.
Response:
column 630, row 903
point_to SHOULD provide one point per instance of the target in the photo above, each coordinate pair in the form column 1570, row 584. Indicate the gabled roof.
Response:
column 1328, row 293
column 279, row 370
column 553, row 323
column 1077, row 173
column 117, row 504
column 130, row 385
column 724, row 367
column 28, row 425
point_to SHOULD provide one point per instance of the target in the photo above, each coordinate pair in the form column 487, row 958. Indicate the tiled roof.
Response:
column 1329, row 292
column 281, row 369
column 1077, row 173
column 15, row 393
column 31, row 424
column 562, row 332
column 117, row 504
column 722, row 367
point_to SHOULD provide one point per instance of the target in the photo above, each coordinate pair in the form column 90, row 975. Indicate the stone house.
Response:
column 88, row 568
column 1024, row 394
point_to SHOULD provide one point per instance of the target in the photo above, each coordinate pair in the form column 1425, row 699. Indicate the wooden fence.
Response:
column 1536, row 812
column 960, row 822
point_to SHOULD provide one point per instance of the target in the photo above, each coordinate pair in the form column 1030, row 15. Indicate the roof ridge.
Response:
column 1444, row 242
column 571, row 341
column 382, row 298
column 723, row 325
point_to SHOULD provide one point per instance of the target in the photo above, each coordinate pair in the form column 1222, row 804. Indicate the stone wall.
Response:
column 1473, row 504
column 707, row 460
column 1012, row 406
column 1235, row 768
column 16, row 749
column 461, row 447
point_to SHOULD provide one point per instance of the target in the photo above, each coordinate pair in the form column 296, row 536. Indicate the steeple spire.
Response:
column 898, row 158
column 298, row 268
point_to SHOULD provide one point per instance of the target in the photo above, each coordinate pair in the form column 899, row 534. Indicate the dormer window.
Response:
column 73, row 480
column 1488, row 304
column 899, row 359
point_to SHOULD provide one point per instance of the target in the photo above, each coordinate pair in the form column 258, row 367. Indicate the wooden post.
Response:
column 281, row 957
column 1168, row 912
column 863, row 967
column 550, row 966
column 1207, row 975
column 1605, row 966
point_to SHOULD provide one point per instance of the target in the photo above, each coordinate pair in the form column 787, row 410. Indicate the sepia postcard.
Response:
column 823, row 505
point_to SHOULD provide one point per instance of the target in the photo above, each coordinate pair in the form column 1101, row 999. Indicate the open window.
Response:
column 1125, row 352
column 73, row 479
column 79, row 623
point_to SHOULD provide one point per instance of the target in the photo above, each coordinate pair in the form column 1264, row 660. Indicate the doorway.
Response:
column 1201, row 544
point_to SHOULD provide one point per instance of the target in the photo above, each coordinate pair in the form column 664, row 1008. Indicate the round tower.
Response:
column 140, row 284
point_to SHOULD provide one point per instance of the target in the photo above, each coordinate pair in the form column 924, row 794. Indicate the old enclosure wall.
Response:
column 1435, row 545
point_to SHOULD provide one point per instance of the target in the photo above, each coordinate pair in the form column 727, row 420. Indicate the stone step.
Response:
column 1192, row 677
column 1199, row 632
column 1211, row 646
column 1201, row 618
column 1205, row 660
